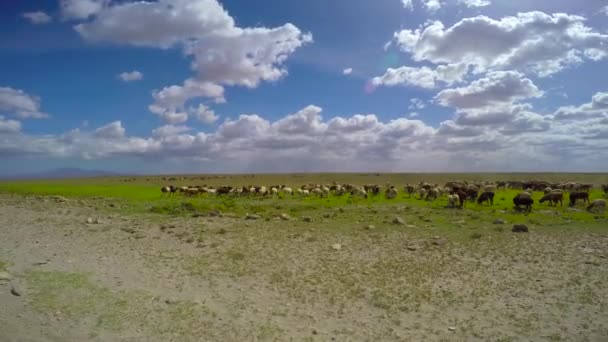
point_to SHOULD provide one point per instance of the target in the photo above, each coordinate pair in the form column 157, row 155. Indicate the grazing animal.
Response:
column 409, row 189
column 391, row 193
column 422, row 192
column 548, row 190
column 598, row 205
column 579, row 195
column 452, row 200
column 169, row 190
column 432, row 194
column 553, row 197
column 523, row 199
column 462, row 197
column 487, row 196
column 605, row 188
column 288, row 191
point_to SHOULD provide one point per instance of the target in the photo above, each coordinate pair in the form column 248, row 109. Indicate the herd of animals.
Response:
column 458, row 193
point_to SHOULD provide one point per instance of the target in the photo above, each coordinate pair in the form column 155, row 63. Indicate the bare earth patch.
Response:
column 149, row 277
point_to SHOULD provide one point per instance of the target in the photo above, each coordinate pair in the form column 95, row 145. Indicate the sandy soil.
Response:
column 150, row 278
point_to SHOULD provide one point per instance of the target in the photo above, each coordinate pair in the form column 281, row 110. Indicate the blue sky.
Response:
column 287, row 86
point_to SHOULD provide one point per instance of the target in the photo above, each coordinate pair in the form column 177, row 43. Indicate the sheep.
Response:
column 598, row 205
column 432, row 194
column 169, row 190
column 409, row 189
column 523, row 199
column 422, row 192
column 358, row 191
column 548, row 190
column 553, row 197
column 391, row 193
column 305, row 192
column 486, row 196
column 317, row 191
column 453, row 199
column 274, row 191
column 288, row 191
column 489, row 188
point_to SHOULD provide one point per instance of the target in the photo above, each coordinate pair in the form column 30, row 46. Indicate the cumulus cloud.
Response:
column 223, row 54
column 37, row 17
column 20, row 104
column 475, row 3
column 204, row 114
column 408, row 4
column 305, row 141
column 111, row 130
column 423, row 77
column 131, row 76
column 542, row 43
column 82, row 9
column 495, row 88
column 416, row 103
column 9, row 126
column 432, row 5
column 597, row 108
column 170, row 130
column 347, row 71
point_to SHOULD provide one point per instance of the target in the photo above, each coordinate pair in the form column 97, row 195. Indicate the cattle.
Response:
column 486, row 196
column 523, row 199
column 605, row 188
column 578, row 195
column 553, row 197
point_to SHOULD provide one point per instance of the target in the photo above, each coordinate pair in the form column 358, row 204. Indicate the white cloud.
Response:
column 408, row 4
column 597, row 108
column 223, row 54
column 170, row 130
column 475, row 3
column 9, row 126
column 204, row 114
column 423, row 77
column 432, row 5
column 417, row 103
column 111, row 130
column 347, row 71
column 20, row 104
column 37, row 17
column 495, row 88
column 82, row 9
column 131, row 76
column 604, row 10
column 414, row 115
column 304, row 141
column 170, row 102
column 542, row 43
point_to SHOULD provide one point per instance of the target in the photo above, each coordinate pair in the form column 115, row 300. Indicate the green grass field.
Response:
column 142, row 195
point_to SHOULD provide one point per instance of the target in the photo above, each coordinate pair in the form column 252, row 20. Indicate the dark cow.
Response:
column 523, row 199
column 553, row 198
column 487, row 196
column 579, row 195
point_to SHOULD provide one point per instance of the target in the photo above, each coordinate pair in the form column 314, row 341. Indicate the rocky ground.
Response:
column 80, row 271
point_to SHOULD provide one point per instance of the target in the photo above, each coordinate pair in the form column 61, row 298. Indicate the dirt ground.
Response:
column 156, row 278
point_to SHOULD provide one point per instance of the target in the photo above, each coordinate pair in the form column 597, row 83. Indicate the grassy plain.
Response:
column 444, row 274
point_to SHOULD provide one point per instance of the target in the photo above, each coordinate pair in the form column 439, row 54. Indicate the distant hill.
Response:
column 69, row 172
